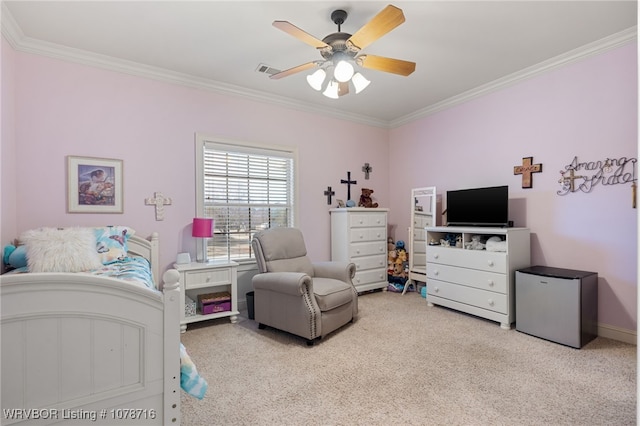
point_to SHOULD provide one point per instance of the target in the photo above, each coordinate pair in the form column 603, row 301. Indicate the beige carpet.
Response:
column 403, row 363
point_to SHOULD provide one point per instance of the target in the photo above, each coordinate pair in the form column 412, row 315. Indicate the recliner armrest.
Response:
column 343, row 271
column 293, row 283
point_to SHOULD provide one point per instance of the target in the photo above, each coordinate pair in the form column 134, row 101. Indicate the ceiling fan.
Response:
column 340, row 50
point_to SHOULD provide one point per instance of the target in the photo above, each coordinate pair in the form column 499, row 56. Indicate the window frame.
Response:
column 203, row 141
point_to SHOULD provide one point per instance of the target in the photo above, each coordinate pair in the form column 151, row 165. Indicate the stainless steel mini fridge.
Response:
column 556, row 304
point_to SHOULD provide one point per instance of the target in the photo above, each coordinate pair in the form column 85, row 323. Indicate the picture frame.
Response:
column 94, row 185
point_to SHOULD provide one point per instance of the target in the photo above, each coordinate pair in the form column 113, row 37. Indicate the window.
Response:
column 244, row 188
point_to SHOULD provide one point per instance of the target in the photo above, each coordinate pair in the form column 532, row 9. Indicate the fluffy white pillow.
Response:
column 61, row 250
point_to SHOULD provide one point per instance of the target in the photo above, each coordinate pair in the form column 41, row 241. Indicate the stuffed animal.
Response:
column 365, row 199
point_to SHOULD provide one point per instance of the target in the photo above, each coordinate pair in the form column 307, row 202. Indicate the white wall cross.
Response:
column 159, row 201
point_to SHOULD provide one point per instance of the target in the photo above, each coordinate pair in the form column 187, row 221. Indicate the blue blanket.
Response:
column 190, row 381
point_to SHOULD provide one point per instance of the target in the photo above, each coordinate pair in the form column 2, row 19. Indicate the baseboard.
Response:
column 617, row 333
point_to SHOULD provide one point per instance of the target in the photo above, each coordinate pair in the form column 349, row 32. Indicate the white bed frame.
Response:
column 77, row 347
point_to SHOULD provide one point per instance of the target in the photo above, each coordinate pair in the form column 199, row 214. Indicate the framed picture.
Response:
column 94, row 185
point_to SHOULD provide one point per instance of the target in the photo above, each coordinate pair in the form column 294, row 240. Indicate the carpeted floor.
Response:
column 403, row 363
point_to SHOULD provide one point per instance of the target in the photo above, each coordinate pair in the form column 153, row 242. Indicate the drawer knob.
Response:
column 208, row 278
column 358, row 251
column 490, row 283
column 490, row 263
column 435, row 256
column 436, row 272
column 357, row 266
column 491, row 302
column 436, row 289
column 361, row 236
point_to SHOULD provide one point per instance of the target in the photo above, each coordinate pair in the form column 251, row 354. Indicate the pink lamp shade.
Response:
column 202, row 227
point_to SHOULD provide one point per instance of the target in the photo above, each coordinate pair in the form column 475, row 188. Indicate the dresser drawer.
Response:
column 370, row 276
column 368, row 234
column 199, row 279
column 370, row 262
column 491, row 281
column 471, row 296
column 473, row 259
column 359, row 220
column 367, row 249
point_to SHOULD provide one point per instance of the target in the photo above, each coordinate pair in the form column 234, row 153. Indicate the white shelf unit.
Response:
column 359, row 235
column 478, row 282
column 211, row 277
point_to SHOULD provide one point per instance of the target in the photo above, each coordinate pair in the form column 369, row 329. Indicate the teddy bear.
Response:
column 365, row 199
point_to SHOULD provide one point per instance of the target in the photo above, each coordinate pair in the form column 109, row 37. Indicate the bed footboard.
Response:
column 80, row 347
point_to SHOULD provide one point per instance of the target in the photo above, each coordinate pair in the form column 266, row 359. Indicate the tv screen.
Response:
column 478, row 206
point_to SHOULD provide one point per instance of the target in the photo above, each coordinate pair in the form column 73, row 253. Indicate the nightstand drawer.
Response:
column 207, row 278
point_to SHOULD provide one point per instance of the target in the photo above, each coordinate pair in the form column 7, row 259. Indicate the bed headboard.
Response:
column 149, row 249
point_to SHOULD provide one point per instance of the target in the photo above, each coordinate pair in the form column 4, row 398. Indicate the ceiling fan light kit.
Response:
column 316, row 79
column 340, row 52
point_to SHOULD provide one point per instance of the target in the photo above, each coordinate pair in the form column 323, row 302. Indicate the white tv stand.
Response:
column 478, row 282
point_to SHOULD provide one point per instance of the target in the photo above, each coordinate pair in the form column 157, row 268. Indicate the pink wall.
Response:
column 8, row 226
column 62, row 109
column 587, row 109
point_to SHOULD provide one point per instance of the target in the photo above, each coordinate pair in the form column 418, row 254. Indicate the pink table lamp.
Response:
column 203, row 229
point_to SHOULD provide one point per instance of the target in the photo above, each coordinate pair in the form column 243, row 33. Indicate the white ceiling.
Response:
column 461, row 48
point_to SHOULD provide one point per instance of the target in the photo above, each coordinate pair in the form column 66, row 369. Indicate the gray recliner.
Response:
column 293, row 294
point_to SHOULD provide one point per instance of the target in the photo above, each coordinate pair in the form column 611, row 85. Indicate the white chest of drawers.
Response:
column 478, row 282
column 359, row 235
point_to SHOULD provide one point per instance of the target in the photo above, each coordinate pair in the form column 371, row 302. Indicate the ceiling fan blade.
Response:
column 301, row 35
column 386, row 20
column 380, row 63
column 294, row 70
column 343, row 88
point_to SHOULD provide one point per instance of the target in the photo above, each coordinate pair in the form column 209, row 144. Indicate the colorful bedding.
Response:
column 190, row 381
column 133, row 269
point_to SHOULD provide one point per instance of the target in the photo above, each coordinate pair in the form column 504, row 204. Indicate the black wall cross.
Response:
column 329, row 193
column 349, row 182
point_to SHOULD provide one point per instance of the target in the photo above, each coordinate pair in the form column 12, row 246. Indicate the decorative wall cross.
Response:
column 349, row 182
column 159, row 201
column 526, row 170
column 329, row 193
column 367, row 169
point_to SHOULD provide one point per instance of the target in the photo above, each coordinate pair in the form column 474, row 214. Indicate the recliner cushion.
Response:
column 284, row 251
column 331, row 293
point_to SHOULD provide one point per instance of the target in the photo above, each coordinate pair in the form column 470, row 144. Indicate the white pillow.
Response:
column 61, row 250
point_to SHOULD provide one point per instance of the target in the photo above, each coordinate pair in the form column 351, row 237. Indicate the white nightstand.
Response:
column 211, row 277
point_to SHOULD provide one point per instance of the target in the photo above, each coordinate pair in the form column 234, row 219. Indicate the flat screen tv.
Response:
column 478, row 206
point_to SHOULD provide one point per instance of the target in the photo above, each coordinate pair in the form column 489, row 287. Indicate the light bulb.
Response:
column 343, row 71
column 332, row 90
column 316, row 79
column 359, row 82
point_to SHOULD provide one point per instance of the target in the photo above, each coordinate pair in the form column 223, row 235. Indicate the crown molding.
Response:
column 16, row 38
column 591, row 49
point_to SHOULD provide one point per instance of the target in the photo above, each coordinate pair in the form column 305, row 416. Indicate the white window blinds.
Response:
column 244, row 189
